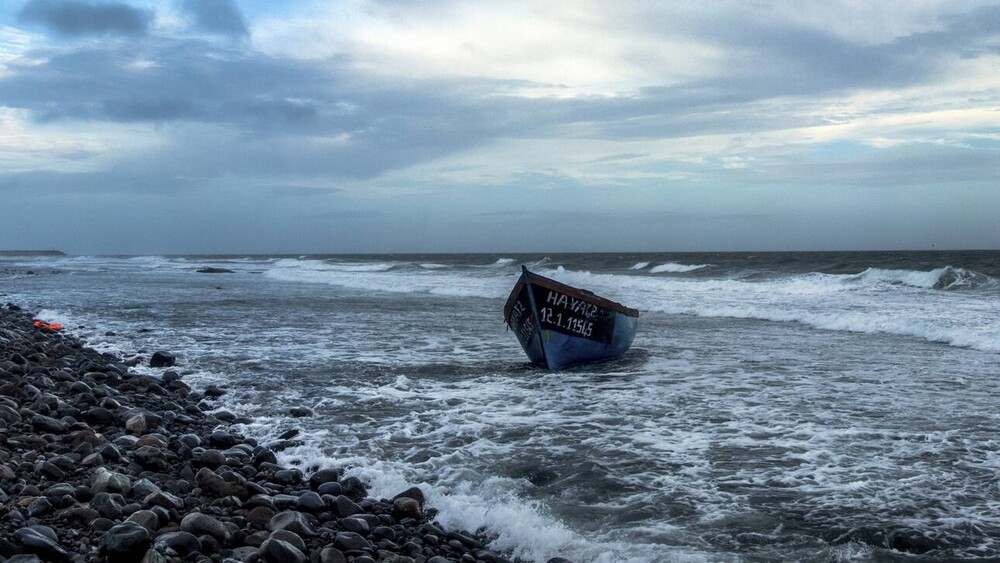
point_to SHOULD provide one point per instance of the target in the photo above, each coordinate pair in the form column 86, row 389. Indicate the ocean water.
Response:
column 774, row 406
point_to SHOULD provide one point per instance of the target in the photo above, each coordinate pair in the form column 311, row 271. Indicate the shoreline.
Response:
column 98, row 463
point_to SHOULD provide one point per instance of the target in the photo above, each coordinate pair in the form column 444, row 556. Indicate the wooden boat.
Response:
column 560, row 326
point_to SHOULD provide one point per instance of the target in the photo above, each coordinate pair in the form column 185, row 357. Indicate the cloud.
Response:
column 224, row 110
column 77, row 17
column 216, row 16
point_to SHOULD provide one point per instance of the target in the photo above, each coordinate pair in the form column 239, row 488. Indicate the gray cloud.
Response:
column 246, row 113
column 77, row 17
column 216, row 16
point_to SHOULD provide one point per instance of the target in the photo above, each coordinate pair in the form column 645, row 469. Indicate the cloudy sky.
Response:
column 206, row 126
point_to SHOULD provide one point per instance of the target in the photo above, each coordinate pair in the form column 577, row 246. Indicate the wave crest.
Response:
column 675, row 268
column 946, row 278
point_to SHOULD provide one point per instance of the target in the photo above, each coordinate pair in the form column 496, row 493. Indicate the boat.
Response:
column 561, row 326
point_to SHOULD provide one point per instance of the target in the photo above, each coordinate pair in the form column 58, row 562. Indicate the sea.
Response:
column 793, row 406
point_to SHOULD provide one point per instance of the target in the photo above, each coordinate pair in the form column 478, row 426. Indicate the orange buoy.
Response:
column 43, row 324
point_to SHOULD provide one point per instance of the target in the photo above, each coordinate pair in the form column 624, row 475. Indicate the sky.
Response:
column 252, row 126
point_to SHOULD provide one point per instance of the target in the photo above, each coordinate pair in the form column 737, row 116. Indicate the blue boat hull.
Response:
column 561, row 326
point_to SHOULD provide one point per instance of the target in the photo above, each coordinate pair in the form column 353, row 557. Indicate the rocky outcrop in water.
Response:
column 98, row 463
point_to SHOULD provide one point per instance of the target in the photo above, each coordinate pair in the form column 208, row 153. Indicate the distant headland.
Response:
column 32, row 253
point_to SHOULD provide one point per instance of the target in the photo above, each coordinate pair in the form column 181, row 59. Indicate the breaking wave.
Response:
column 675, row 268
column 947, row 278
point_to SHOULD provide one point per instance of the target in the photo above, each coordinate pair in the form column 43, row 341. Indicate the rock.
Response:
column 354, row 489
column 214, row 270
column 41, row 541
column 106, row 480
column 331, row 554
column 198, row 523
column 414, row 493
column 264, row 456
column 211, row 458
column 161, row 359
column 136, row 424
column 107, row 505
column 145, row 518
column 47, row 424
column 181, row 542
column 213, row 392
column 50, row 471
column 101, row 524
column 153, row 556
column 9, row 415
column 164, row 499
column 288, row 476
column 6, row 473
column 292, row 521
column 277, row 551
column 465, row 539
column 351, row 541
column 345, row 507
column 126, row 542
column 150, row 457
column 323, row 476
column 300, row 412
column 79, row 514
column 143, row 488
column 39, row 507
column 405, row 507
column 310, row 502
column 360, row 526
column 110, row 452
column 222, row 439
column 290, row 537
column 260, row 516
column 332, row 488
column 212, row 483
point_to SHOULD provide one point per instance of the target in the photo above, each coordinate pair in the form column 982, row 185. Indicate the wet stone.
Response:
column 161, row 359
column 288, row 476
column 277, row 551
column 332, row 488
column 199, row 524
column 292, row 521
column 359, row 526
column 311, row 502
column 164, row 499
column 125, row 542
column 145, row 518
column 351, row 541
column 331, row 554
column 48, row 424
column 107, row 505
column 345, row 507
column 41, row 541
column 290, row 537
column 50, row 471
column 354, row 489
column 40, row 507
column 323, row 476
column 182, row 542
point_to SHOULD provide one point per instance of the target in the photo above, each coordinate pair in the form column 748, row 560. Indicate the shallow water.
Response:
column 809, row 406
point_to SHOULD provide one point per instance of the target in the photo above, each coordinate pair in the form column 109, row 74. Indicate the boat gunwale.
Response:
column 581, row 294
column 508, row 307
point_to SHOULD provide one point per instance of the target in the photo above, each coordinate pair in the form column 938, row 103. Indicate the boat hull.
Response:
column 560, row 326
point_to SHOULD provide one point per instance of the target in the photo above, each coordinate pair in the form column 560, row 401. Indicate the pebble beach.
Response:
column 98, row 463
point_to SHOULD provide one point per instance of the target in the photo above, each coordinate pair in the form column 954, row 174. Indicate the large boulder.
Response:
column 126, row 542
column 162, row 359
